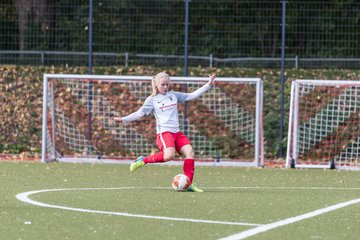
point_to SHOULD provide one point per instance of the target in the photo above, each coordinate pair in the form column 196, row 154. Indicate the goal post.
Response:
column 324, row 124
column 224, row 124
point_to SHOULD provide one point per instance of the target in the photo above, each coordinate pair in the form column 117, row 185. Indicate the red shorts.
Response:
column 169, row 139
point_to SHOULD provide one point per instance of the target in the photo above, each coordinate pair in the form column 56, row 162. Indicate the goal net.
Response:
column 324, row 124
column 224, row 124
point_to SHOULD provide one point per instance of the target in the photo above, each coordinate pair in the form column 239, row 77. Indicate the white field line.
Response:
column 24, row 197
column 259, row 228
column 290, row 188
column 267, row 227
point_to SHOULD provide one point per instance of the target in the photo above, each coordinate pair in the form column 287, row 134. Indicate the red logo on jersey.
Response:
column 168, row 106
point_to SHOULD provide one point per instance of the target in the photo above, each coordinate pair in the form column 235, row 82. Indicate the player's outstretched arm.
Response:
column 131, row 117
column 203, row 89
column 212, row 78
column 146, row 108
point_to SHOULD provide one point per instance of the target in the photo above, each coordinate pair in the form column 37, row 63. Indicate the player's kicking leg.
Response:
column 141, row 161
column 138, row 163
column 194, row 188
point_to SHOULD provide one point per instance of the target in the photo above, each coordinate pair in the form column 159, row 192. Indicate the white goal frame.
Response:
column 49, row 151
column 332, row 116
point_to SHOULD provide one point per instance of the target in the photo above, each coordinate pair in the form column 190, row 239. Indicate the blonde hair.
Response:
column 155, row 78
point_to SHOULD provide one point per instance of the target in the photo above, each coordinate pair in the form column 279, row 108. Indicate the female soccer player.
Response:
column 164, row 105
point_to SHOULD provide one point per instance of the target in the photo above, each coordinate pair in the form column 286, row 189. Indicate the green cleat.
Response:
column 137, row 163
column 194, row 188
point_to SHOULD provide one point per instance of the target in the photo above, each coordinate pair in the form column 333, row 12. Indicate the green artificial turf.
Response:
column 232, row 195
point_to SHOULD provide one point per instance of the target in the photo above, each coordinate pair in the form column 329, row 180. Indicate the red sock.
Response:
column 155, row 158
column 189, row 168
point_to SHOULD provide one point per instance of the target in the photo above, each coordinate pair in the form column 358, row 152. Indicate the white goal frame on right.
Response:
column 324, row 129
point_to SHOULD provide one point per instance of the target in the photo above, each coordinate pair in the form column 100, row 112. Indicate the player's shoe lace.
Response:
column 194, row 188
column 139, row 162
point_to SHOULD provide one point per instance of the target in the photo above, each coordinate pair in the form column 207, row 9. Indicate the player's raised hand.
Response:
column 212, row 78
column 118, row 119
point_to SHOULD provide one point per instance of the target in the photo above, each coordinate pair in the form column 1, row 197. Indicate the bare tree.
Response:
column 25, row 9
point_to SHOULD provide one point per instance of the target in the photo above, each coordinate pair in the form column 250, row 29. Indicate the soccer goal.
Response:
column 324, row 124
column 224, row 124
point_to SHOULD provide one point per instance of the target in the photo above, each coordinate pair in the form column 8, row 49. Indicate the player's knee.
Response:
column 169, row 155
column 190, row 154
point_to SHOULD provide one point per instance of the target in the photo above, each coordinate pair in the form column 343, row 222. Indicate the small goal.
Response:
column 324, row 124
column 224, row 124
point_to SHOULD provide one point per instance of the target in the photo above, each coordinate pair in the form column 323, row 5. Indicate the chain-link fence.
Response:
column 220, row 33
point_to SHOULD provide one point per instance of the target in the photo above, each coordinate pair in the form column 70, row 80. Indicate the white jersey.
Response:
column 165, row 109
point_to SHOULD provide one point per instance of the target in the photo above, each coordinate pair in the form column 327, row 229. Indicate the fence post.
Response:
column 185, row 123
column 282, row 76
column 42, row 57
column 90, row 97
column 126, row 59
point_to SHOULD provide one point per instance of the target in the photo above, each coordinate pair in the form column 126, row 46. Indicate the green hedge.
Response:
column 21, row 99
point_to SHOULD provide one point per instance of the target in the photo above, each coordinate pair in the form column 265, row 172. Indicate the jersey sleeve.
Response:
column 181, row 97
column 148, row 105
column 197, row 93
column 145, row 109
